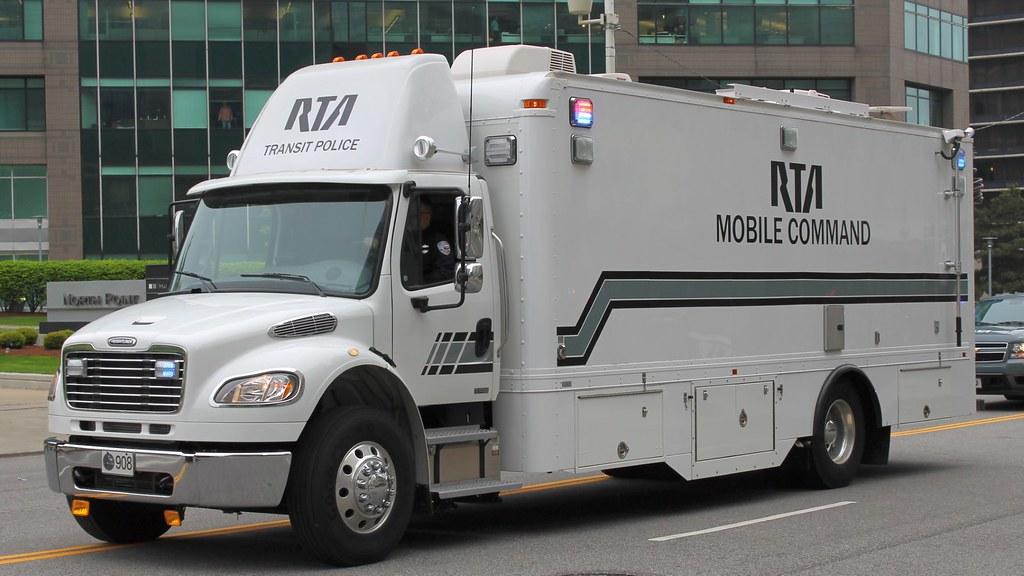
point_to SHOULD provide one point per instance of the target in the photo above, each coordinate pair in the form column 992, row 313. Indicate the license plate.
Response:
column 977, row 383
column 118, row 463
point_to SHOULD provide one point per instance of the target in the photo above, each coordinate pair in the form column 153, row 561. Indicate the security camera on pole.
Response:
column 610, row 21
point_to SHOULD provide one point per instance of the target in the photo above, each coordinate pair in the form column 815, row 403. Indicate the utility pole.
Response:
column 988, row 245
column 610, row 21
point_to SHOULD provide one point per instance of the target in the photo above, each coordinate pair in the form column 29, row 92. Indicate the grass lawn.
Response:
column 29, row 364
column 31, row 320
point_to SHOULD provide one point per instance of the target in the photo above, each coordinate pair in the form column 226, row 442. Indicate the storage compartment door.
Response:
column 925, row 394
column 735, row 419
column 618, row 428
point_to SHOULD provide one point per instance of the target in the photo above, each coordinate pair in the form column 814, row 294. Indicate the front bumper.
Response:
column 1000, row 377
column 221, row 480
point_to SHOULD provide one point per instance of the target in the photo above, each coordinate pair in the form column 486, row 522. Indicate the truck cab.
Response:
column 330, row 333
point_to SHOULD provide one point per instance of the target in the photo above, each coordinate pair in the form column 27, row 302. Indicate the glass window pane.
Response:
column 260, row 20
column 922, row 33
column 115, row 20
column 35, row 99
column 11, row 20
column 470, row 26
column 400, row 24
column 224, row 20
column 154, row 108
column 5, row 197
column 152, row 20
column 261, row 64
column 934, row 41
column 88, row 108
column 29, row 197
column 539, row 24
column 803, row 25
column 190, row 148
column 119, row 223
column 503, row 27
column 436, row 27
column 297, row 20
column 909, row 30
column 13, row 107
column 737, row 25
column 190, row 109
column 155, row 194
column 33, row 19
column 837, row 25
column 295, row 55
column 154, row 145
column 188, row 20
column 189, row 60
column 705, row 25
column 225, row 108
column 153, row 59
column 115, row 59
column 226, row 60
column 26, row 170
column 86, row 20
column 254, row 101
column 771, row 25
column 958, row 43
column 117, row 108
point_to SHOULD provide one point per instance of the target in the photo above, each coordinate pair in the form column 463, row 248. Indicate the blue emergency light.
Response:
column 581, row 112
column 961, row 160
column 166, row 369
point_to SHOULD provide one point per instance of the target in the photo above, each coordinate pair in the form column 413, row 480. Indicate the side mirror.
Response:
column 472, row 276
column 178, row 234
column 470, row 216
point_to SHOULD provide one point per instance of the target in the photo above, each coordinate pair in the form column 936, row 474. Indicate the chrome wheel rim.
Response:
column 364, row 490
column 840, row 431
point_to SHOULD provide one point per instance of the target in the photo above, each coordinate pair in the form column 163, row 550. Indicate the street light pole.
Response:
column 39, row 237
column 610, row 21
column 988, row 245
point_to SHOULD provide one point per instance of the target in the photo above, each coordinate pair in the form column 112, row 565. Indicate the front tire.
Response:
column 123, row 522
column 839, row 436
column 351, row 491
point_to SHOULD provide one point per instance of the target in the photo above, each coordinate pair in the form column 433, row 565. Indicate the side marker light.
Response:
column 80, row 508
column 172, row 517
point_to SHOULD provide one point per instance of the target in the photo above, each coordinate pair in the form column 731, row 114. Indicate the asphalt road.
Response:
column 950, row 502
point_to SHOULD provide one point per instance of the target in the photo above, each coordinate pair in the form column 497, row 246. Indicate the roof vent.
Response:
column 513, row 59
column 305, row 326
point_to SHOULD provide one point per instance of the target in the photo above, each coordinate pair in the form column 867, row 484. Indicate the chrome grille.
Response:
column 562, row 62
column 124, row 382
column 989, row 351
column 305, row 326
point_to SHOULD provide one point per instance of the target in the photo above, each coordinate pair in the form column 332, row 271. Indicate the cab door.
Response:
column 445, row 352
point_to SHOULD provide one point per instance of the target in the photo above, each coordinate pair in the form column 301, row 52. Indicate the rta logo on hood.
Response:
column 302, row 110
column 803, row 194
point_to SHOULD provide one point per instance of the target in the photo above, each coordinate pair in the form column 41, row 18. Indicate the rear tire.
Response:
column 351, row 490
column 838, row 441
column 123, row 522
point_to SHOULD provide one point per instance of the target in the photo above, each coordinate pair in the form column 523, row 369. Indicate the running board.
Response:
column 457, row 434
column 474, row 487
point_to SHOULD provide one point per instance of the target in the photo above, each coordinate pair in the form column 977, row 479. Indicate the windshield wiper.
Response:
column 282, row 276
column 1010, row 323
column 197, row 277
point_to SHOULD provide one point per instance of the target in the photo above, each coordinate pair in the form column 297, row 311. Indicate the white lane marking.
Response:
column 749, row 522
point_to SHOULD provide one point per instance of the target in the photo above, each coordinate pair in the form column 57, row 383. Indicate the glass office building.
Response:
column 168, row 88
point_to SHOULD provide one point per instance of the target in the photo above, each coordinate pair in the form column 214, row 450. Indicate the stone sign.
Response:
column 74, row 304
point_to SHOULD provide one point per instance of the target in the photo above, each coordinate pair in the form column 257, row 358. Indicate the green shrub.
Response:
column 11, row 339
column 54, row 340
column 30, row 334
column 24, row 281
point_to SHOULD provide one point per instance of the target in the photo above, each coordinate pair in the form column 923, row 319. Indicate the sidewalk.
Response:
column 22, row 413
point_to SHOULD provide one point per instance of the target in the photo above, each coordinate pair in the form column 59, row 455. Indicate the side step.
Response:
column 457, row 434
column 474, row 487
column 465, row 461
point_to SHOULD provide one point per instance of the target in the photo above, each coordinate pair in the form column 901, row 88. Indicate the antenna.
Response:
column 469, row 144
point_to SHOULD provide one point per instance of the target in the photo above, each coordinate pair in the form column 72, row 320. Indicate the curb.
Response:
column 25, row 381
column 20, row 454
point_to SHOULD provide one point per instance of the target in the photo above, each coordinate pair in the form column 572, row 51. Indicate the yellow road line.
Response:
column 544, row 486
column 959, row 425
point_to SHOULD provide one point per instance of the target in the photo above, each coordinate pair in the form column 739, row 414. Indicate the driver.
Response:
column 438, row 260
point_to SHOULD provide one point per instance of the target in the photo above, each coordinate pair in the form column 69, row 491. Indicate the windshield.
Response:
column 1007, row 312
column 303, row 238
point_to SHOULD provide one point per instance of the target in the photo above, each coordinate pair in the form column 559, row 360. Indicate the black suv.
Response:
column 999, row 345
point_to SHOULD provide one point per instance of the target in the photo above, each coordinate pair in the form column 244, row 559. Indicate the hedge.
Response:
column 55, row 340
column 30, row 334
column 23, row 282
column 11, row 339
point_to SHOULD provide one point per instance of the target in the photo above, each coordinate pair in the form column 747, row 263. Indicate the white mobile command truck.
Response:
column 411, row 262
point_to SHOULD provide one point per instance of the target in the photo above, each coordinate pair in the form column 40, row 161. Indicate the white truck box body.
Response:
column 623, row 262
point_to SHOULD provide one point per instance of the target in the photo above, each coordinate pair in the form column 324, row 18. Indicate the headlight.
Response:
column 53, row 387
column 1017, row 350
column 259, row 390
